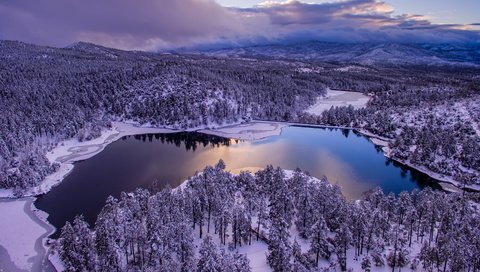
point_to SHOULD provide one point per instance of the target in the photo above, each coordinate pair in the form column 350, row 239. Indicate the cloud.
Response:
column 118, row 23
column 356, row 21
column 153, row 24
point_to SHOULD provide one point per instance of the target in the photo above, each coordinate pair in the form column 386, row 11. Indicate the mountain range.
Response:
column 359, row 53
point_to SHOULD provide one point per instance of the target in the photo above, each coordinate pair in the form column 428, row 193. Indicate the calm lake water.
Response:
column 344, row 157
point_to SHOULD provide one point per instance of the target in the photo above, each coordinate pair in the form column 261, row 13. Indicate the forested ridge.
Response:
column 51, row 94
column 306, row 224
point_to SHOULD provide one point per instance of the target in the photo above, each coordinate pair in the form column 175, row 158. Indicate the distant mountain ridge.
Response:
column 364, row 53
column 371, row 54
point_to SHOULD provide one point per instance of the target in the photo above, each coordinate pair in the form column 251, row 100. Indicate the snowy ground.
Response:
column 249, row 131
column 352, row 68
column 335, row 98
column 22, row 237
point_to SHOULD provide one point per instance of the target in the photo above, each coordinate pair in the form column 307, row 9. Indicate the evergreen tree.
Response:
column 210, row 260
column 77, row 246
column 318, row 239
column 280, row 215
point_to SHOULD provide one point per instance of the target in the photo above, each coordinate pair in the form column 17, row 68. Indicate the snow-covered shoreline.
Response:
column 241, row 132
column 446, row 183
column 70, row 151
column 254, row 130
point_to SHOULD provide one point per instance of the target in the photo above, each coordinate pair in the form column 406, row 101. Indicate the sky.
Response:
column 169, row 24
column 439, row 11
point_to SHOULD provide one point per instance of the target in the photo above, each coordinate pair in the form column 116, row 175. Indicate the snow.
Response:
column 248, row 131
column 256, row 252
column 6, row 193
column 310, row 69
column 378, row 141
column 352, row 68
column 56, row 262
column 335, row 98
column 257, row 255
column 51, row 180
column 22, row 235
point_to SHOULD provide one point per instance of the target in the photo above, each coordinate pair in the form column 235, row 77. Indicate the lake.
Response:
column 344, row 157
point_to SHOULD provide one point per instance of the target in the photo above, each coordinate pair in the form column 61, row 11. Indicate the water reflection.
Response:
column 345, row 158
column 190, row 140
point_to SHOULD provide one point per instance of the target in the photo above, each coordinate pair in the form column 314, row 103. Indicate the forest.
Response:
column 305, row 223
column 48, row 94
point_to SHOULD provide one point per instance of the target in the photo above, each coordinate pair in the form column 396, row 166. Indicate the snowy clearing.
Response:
column 22, row 236
column 250, row 131
column 352, row 68
column 335, row 98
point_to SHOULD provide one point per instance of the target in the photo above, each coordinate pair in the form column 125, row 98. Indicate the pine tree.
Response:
column 366, row 264
column 109, row 238
column 343, row 238
column 68, row 248
column 262, row 215
column 280, row 215
column 300, row 260
column 318, row 239
column 210, row 260
column 77, row 246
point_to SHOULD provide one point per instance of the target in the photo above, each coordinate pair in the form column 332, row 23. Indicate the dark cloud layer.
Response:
column 120, row 23
column 152, row 24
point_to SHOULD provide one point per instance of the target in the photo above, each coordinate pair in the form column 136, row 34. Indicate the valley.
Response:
column 258, row 112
